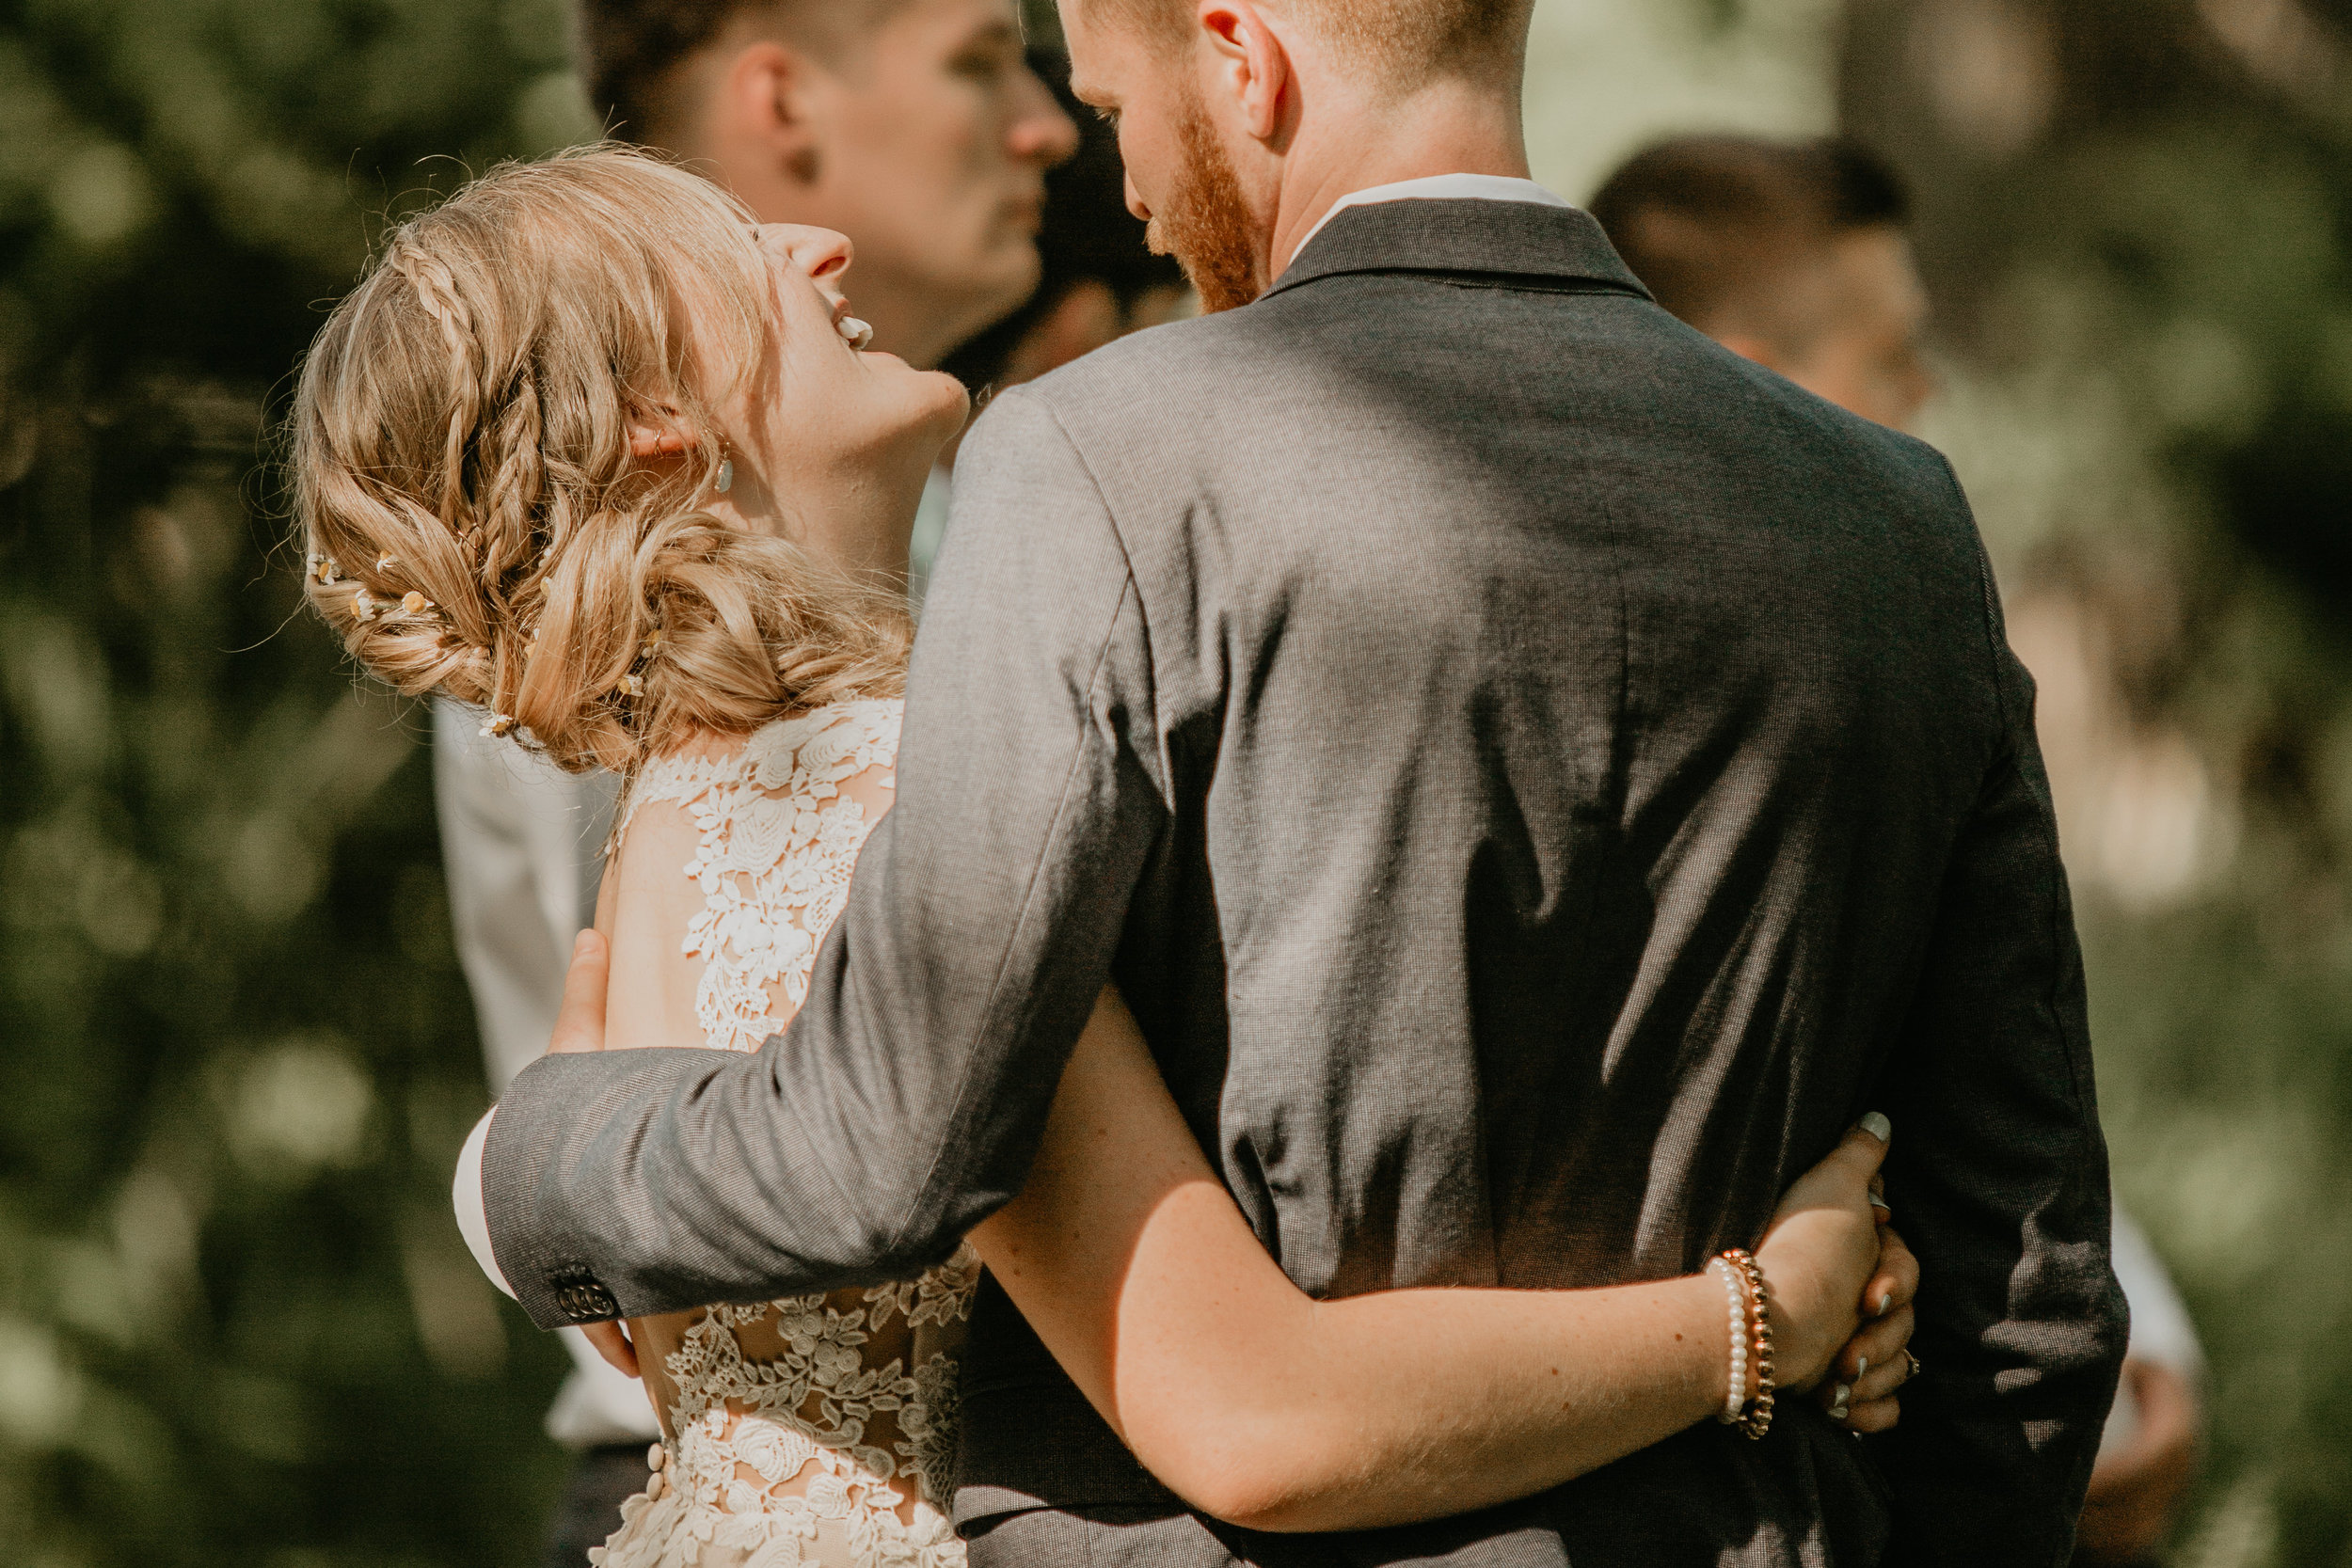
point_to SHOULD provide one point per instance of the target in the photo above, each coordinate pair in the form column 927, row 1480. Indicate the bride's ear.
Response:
column 656, row 436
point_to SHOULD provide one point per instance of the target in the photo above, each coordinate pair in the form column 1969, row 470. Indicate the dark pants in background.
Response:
column 590, row 1509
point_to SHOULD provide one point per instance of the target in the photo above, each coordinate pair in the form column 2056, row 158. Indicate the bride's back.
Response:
column 826, row 1417
column 731, row 859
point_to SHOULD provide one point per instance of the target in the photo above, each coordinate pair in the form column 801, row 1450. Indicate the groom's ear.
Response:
column 1253, row 64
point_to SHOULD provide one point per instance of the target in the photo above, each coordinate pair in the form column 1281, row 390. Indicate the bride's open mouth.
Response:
column 855, row 333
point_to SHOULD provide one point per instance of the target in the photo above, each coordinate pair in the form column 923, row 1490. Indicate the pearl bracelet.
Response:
column 1735, row 1297
column 1755, row 1417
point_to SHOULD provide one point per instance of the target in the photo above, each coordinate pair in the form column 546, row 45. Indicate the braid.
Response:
column 437, row 290
column 497, row 533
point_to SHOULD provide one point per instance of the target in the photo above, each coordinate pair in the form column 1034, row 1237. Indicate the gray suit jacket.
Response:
column 1537, row 777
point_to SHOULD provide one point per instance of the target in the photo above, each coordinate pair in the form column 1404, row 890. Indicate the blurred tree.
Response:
column 236, row 1325
column 2135, row 215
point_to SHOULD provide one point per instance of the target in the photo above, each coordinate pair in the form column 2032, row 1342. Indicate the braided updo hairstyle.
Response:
column 474, row 522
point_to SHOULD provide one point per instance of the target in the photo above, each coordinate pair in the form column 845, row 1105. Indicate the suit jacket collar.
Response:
column 1561, row 247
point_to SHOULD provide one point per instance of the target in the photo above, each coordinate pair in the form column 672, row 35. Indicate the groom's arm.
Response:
column 904, row 1104
column 1999, row 1180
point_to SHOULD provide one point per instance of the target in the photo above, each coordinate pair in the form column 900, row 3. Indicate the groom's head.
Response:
column 1236, row 116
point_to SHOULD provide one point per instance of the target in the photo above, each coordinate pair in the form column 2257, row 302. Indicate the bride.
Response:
column 591, row 452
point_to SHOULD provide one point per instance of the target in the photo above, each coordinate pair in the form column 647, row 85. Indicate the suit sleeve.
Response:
column 1999, row 1178
column 905, row 1102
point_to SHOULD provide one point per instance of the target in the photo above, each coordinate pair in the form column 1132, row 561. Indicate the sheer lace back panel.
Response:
column 815, row 1431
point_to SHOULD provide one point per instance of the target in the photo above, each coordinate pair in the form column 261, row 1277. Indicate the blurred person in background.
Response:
column 1795, row 255
column 1798, row 255
column 1100, row 278
column 917, row 128
column 1101, row 281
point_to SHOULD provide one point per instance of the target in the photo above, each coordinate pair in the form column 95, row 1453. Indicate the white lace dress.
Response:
column 815, row 1431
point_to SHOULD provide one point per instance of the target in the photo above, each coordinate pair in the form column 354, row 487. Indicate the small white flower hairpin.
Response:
column 500, row 727
column 857, row 334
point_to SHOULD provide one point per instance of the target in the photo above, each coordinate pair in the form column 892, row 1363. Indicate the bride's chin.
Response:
column 952, row 404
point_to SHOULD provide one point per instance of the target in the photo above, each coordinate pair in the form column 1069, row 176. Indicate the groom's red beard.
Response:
column 1205, row 222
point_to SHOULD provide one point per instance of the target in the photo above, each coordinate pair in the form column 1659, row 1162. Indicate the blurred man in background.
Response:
column 1100, row 282
column 917, row 128
column 1798, row 255
column 1794, row 255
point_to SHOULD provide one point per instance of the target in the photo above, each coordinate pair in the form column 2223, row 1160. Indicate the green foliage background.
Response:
column 235, row 1324
column 2135, row 217
column 236, row 1055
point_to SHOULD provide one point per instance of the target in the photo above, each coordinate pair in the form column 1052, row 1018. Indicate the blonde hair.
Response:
column 475, row 522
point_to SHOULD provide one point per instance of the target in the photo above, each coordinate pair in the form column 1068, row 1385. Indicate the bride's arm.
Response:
column 1262, row 1406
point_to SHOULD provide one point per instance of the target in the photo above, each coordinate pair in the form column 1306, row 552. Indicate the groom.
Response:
column 1536, row 776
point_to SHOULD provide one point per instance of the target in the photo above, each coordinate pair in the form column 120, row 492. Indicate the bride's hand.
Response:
column 579, row 1023
column 613, row 1342
column 1871, row 1369
column 1820, row 1253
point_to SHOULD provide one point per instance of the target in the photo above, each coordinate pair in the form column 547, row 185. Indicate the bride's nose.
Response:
column 821, row 253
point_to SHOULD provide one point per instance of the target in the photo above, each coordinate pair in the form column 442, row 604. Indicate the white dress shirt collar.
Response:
column 1442, row 187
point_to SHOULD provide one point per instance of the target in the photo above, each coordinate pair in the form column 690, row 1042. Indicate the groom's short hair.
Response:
column 1407, row 41
column 630, row 50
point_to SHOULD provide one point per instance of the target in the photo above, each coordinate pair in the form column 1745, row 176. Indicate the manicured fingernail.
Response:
column 1840, row 1397
column 1839, row 1413
column 1886, row 1301
column 1862, row 1367
column 1879, row 1127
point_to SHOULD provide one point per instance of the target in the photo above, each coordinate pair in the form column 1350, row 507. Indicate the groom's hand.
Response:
column 579, row 1023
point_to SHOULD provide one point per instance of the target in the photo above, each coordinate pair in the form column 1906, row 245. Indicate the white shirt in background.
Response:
column 930, row 531
column 2161, row 1329
column 522, row 842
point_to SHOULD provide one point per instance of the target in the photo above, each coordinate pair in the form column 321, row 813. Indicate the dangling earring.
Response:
column 725, row 480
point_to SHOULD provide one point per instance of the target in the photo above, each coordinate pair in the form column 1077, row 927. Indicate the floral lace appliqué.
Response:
column 779, row 841
column 816, row 1431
